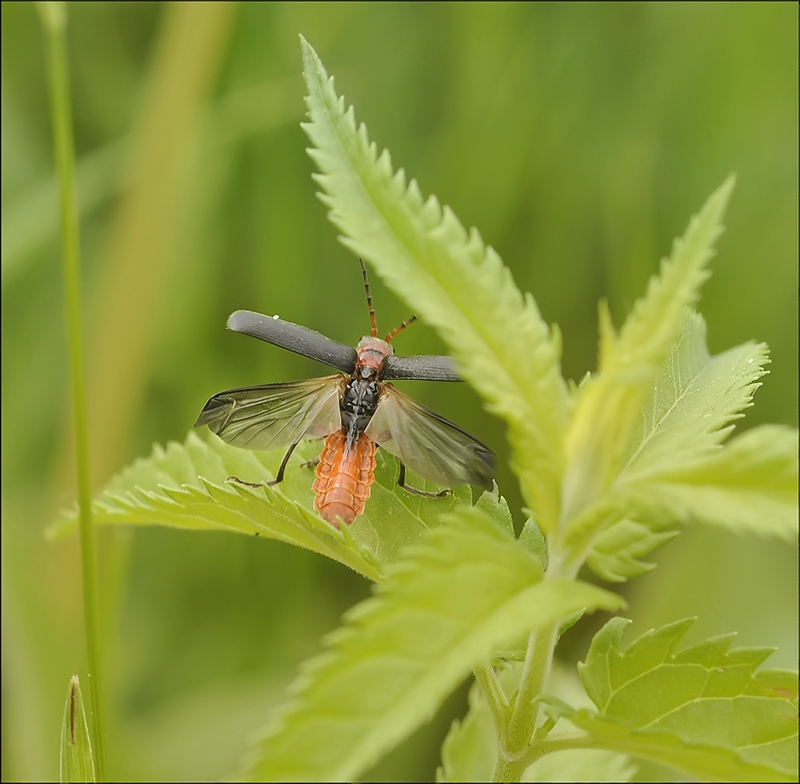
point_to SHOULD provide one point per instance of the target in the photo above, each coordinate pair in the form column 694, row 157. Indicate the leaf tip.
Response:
column 718, row 201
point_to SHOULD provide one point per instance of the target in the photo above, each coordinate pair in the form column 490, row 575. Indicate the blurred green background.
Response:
column 577, row 138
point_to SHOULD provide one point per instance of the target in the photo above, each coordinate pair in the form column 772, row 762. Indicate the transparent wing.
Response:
column 428, row 444
column 275, row 415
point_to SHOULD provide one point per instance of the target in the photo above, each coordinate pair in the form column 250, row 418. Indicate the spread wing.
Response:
column 428, row 444
column 275, row 415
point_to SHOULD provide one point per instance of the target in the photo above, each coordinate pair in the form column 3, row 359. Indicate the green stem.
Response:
column 53, row 17
column 495, row 698
column 513, row 754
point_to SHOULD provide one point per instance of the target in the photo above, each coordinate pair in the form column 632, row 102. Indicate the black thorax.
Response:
column 359, row 402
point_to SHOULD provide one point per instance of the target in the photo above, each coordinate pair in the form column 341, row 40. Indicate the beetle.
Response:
column 354, row 410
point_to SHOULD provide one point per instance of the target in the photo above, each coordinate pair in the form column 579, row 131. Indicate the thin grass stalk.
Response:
column 54, row 18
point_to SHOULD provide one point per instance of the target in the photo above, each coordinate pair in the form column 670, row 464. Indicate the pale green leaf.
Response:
column 698, row 760
column 76, row 761
column 534, row 541
column 693, row 401
column 469, row 751
column 750, row 486
column 688, row 414
column 446, row 607
column 590, row 765
column 656, row 320
column 616, row 554
column 704, row 710
column 611, row 402
column 453, row 281
column 496, row 507
column 185, row 486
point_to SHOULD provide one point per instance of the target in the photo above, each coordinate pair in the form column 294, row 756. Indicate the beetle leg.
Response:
column 311, row 463
column 401, row 480
column 242, row 482
column 277, row 480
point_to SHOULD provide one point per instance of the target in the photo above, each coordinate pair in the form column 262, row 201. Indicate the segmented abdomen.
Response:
column 344, row 477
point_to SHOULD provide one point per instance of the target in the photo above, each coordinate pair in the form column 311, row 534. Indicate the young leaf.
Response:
column 496, row 507
column 705, row 710
column 611, row 402
column 750, row 485
column 453, row 281
column 693, row 401
column 688, row 414
column 469, row 751
column 656, row 320
column 76, row 761
column 616, row 553
column 443, row 609
column 185, row 486
column 532, row 538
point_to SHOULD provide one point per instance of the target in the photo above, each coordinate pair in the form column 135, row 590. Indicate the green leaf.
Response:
column 693, row 402
column 616, row 553
column 705, row 710
column 453, row 281
column 469, row 751
column 689, row 413
column 533, row 540
column 748, row 486
column 468, row 588
column 698, row 760
column 656, row 320
column 610, row 403
column 185, row 486
column 590, row 765
column 76, row 761
column 496, row 507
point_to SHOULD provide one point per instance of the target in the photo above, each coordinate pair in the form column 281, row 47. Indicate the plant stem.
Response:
column 53, row 17
column 512, row 758
column 495, row 697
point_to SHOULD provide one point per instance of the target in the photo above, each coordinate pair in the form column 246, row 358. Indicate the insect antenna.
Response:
column 394, row 332
column 372, row 321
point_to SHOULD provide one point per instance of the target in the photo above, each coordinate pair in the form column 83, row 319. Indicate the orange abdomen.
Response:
column 344, row 477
